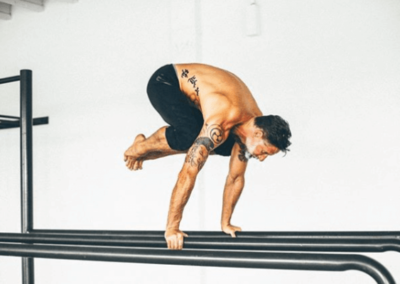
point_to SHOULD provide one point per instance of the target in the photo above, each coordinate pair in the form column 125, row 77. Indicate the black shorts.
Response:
column 179, row 112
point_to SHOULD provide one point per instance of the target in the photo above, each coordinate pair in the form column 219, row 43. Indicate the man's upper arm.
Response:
column 238, row 162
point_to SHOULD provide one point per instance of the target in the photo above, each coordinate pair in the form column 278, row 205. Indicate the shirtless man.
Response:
column 209, row 111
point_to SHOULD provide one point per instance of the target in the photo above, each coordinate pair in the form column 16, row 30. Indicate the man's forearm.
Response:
column 232, row 192
column 180, row 197
column 195, row 159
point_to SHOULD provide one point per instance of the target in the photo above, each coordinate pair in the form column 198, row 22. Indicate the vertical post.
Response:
column 26, row 167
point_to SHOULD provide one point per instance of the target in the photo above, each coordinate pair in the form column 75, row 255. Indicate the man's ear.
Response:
column 258, row 133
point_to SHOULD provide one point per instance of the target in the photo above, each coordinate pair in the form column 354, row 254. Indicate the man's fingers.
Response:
column 175, row 242
column 233, row 234
column 186, row 235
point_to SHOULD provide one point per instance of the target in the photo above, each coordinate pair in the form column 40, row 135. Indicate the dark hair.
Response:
column 276, row 131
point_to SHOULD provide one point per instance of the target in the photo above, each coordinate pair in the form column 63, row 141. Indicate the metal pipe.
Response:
column 26, row 167
column 9, row 79
column 26, row 151
column 8, row 116
column 240, row 243
column 6, row 124
column 376, row 235
column 293, row 261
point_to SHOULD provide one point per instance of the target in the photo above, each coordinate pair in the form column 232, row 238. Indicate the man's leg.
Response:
column 142, row 149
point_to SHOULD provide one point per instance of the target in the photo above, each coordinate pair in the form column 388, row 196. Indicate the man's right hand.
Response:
column 174, row 238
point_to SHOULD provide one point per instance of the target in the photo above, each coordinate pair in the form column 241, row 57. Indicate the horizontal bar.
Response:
column 240, row 243
column 362, row 235
column 8, row 116
column 292, row 261
column 6, row 124
column 9, row 79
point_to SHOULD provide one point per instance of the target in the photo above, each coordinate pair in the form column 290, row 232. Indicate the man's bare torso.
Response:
column 219, row 94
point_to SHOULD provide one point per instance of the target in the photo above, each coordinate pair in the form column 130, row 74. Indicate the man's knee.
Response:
column 181, row 140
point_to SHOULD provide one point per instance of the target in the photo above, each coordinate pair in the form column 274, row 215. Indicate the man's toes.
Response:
column 137, row 165
column 130, row 163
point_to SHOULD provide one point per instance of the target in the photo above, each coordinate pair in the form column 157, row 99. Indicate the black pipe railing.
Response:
column 133, row 239
column 292, row 261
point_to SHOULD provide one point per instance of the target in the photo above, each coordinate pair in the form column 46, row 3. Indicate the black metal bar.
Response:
column 293, row 261
column 9, row 79
column 240, row 243
column 26, row 151
column 26, row 167
column 6, row 124
column 335, row 235
column 28, row 270
column 8, row 116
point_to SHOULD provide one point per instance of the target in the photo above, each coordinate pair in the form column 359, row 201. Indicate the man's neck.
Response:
column 243, row 130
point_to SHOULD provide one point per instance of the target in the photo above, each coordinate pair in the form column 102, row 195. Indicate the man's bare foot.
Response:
column 132, row 157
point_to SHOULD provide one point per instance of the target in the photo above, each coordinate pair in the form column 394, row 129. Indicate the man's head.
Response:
column 270, row 135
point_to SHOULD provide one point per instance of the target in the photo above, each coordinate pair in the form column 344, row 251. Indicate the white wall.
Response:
column 331, row 68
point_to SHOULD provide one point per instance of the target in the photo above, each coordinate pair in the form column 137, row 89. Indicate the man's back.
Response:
column 217, row 93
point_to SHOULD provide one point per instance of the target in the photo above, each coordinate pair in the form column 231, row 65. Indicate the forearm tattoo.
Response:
column 192, row 80
column 211, row 136
column 197, row 155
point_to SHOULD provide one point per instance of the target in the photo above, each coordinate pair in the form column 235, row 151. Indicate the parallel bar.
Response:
column 26, row 167
column 293, row 261
column 362, row 235
column 240, row 243
column 9, row 79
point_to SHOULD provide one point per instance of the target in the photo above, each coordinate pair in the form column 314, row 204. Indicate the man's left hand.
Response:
column 231, row 230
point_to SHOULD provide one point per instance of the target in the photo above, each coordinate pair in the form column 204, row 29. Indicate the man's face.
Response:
column 259, row 148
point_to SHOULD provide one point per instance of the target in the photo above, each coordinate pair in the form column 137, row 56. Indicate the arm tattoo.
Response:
column 242, row 151
column 215, row 132
column 197, row 156
column 206, row 142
